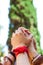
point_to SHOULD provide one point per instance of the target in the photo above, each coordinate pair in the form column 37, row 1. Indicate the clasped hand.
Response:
column 21, row 37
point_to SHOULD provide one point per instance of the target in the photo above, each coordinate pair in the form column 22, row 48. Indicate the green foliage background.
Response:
column 23, row 13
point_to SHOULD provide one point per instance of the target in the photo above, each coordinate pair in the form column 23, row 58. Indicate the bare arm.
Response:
column 22, row 59
column 7, row 61
column 36, row 58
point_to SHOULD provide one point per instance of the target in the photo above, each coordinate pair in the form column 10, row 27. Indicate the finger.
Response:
column 21, row 28
column 13, row 34
column 24, row 30
column 27, row 31
column 18, row 32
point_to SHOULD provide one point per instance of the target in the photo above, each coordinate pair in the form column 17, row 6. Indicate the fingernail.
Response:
column 27, row 32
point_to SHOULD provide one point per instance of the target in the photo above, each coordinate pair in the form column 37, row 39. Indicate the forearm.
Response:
column 32, row 53
column 22, row 59
column 36, row 58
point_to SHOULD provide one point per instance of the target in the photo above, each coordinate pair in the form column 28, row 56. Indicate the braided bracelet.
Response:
column 8, row 59
column 13, row 54
column 34, row 59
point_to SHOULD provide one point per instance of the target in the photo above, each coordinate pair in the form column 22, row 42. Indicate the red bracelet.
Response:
column 20, row 50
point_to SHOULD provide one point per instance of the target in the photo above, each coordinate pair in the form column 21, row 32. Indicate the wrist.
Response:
column 20, row 45
column 13, row 56
column 32, row 53
column 19, row 50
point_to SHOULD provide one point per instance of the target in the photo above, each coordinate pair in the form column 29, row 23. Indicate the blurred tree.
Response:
column 23, row 13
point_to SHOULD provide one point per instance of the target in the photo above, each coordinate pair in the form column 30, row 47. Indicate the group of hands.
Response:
column 23, row 37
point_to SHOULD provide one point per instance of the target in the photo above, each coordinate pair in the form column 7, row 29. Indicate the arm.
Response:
column 22, row 59
column 8, row 60
column 36, row 58
column 33, row 53
column 15, row 42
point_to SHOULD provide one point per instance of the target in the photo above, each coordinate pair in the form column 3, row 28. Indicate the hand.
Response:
column 33, row 44
column 19, row 39
column 27, row 34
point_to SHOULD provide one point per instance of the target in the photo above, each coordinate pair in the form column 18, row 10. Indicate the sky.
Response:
column 39, row 9
column 4, row 20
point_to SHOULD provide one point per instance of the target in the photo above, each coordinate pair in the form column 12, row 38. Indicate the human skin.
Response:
column 22, row 59
column 19, row 38
column 31, row 48
column 25, row 43
column 33, row 53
